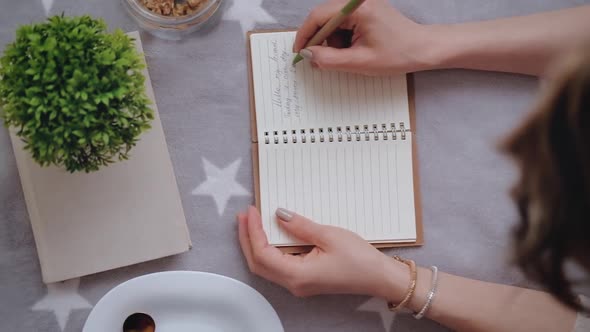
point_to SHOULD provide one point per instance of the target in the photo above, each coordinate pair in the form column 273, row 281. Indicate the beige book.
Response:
column 126, row 213
column 336, row 147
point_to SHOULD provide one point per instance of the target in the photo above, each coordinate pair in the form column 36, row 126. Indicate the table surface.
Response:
column 201, row 89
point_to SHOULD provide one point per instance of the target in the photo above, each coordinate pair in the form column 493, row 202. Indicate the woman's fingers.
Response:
column 340, row 39
column 266, row 260
column 353, row 60
column 245, row 239
column 303, row 228
column 332, row 267
column 383, row 41
column 314, row 21
column 258, row 239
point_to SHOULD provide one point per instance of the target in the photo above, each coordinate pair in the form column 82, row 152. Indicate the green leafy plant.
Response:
column 74, row 92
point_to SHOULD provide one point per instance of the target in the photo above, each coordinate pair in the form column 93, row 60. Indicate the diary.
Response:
column 338, row 148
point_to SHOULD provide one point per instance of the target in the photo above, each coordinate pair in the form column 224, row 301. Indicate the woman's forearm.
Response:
column 471, row 305
column 344, row 263
column 525, row 44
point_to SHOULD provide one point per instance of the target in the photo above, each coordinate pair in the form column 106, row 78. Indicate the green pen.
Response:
column 331, row 26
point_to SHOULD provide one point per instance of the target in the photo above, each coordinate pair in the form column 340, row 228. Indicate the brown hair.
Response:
column 552, row 148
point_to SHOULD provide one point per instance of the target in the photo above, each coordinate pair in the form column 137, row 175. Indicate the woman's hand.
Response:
column 344, row 263
column 341, row 262
column 382, row 40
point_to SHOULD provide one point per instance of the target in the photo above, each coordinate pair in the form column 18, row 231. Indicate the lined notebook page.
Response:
column 364, row 186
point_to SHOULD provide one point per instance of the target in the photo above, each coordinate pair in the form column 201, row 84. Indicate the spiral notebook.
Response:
column 337, row 148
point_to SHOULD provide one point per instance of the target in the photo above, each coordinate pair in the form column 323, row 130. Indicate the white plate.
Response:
column 185, row 301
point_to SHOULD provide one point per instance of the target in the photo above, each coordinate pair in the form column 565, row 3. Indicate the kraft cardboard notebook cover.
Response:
column 298, row 120
column 126, row 213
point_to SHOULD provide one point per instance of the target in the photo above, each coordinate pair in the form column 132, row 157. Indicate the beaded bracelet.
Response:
column 411, row 288
column 431, row 293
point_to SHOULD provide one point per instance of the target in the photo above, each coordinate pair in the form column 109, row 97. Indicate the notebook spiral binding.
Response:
column 339, row 134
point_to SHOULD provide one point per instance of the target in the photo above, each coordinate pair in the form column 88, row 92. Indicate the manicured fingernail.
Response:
column 284, row 214
column 306, row 54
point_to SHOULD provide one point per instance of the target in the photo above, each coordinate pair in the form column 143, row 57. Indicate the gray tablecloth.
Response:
column 201, row 89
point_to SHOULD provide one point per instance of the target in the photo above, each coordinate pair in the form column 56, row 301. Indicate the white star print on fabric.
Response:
column 47, row 4
column 61, row 299
column 248, row 13
column 379, row 306
column 221, row 184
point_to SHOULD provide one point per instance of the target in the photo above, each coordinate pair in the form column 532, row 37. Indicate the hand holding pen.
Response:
column 373, row 39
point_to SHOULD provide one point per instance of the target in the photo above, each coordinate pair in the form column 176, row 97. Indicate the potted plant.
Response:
column 74, row 93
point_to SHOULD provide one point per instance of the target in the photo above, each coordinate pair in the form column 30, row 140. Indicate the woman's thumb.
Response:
column 301, row 227
column 352, row 59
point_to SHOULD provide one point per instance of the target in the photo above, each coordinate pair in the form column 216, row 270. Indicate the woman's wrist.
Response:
column 395, row 280
column 438, row 48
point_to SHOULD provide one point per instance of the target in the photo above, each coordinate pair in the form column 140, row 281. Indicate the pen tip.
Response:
column 297, row 58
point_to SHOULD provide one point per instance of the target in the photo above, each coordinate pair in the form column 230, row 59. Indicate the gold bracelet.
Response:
column 411, row 288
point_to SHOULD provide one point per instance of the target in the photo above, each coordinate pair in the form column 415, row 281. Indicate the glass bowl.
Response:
column 169, row 27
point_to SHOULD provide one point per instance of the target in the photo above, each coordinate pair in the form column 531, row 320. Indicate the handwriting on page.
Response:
column 285, row 88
